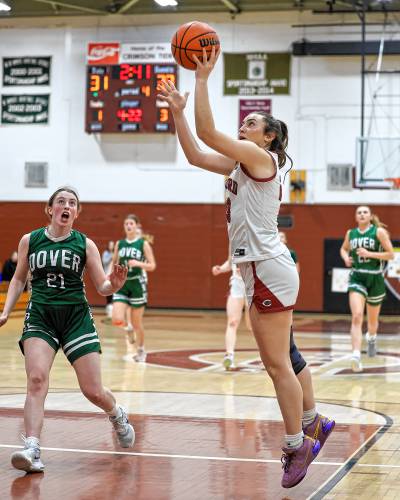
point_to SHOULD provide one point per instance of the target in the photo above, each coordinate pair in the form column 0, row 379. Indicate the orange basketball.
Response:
column 191, row 38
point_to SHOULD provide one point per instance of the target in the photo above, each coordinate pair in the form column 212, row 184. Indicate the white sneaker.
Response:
column 124, row 430
column 228, row 362
column 140, row 356
column 28, row 459
column 356, row 364
column 371, row 345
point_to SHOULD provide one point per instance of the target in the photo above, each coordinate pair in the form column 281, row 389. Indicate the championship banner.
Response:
column 26, row 71
column 25, row 109
column 247, row 106
column 257, row 73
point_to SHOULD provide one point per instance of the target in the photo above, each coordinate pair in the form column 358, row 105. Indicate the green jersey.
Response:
column 365, row 239
column 57, row 266
column 128, row 250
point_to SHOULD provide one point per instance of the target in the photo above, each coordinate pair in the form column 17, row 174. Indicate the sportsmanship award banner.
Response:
column 25, row 109
column 26, row 71
column 257, row 73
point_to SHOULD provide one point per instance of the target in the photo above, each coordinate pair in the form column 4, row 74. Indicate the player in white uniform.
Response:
column 234, row 309
column 270, row 275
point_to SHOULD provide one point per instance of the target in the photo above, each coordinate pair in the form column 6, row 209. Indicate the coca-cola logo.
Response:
column 101, row 52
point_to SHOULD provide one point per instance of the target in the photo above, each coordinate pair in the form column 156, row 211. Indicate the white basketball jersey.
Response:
column 252, row 207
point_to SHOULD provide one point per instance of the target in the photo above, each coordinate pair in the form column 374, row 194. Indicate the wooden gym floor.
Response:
column 201, row 432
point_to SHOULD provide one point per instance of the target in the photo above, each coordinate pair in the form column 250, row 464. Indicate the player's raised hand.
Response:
column 118, row 276
column 169, row 93
column 206, row 64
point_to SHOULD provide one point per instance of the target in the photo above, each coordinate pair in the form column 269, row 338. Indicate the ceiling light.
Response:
column 4, row 6
column 167, row 3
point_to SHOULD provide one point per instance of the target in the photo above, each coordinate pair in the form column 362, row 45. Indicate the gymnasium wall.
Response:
column 322, row 112
column 190, row 238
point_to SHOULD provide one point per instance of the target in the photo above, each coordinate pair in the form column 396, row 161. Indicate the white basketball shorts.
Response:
column 271, row 285
column 237, row 288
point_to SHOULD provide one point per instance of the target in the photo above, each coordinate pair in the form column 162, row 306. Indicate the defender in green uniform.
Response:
column 58, row 316
column 135, row 253
column 365, row 248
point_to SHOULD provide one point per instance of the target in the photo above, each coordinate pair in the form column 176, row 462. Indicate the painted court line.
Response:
column 192, row 457
column 165, row 455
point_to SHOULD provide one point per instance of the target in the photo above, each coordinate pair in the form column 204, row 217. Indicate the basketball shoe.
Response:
column 319, row 429
column 356, row 364
column 295, row 462
column 228, row 361
column 28, row 459
column 140, row 356
column 124, row 430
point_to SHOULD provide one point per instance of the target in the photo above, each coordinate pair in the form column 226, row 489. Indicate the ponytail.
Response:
column 280, row 143
column 376, row 222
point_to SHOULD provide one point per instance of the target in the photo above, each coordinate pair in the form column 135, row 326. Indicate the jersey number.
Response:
column 363, row 260
column 52, row 280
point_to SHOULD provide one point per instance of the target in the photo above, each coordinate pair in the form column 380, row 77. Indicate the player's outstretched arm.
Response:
column 214, row 162
column 105, row 285
column 243, row 151
column 17, row 284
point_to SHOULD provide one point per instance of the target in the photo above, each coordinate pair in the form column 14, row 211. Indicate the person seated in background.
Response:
column 9, row 267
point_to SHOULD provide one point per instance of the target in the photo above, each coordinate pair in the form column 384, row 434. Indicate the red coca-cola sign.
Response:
column 103, row 53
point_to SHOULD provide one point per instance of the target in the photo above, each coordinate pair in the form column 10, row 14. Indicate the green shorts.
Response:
column 133, row 293
column 68, row 326
column 372, row 286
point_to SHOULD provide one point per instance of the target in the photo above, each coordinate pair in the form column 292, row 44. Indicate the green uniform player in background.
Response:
column 58, row 316
column 365, row 250
column 136, row 254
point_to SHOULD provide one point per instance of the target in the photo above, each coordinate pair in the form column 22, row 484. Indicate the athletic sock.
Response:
column 370, row 338
column 309, row 416
column 32, row 442
column 294, row 441
column 356, row 354
column 114, row 412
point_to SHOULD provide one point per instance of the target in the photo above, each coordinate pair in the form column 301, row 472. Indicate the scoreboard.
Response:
column 122, row 98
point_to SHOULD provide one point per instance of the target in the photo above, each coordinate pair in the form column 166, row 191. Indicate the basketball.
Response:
column 190, row 39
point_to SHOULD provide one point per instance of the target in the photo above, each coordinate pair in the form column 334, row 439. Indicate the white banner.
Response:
column 142, row 53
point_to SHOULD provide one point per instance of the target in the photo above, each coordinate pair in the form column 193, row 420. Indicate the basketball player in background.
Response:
column 235, row 303
column 137, row 254
column 252, row 163
column 365, row 249
column 58, row 315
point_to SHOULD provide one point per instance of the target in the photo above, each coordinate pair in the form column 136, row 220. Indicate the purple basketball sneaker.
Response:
column 320, row 428
column 296, row 462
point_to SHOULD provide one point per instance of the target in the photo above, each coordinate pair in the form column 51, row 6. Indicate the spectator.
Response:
column 9, row 267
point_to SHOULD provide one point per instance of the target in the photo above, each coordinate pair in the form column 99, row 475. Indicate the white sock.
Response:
column 370, row 338
column 356, row 354
column 32, row 442
column 114, row 412
column 294, row 441
column 309, row 416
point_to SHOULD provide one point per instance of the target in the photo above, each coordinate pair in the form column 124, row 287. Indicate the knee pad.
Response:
column 297, row 360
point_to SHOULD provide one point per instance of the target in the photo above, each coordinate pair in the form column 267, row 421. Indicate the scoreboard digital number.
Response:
column 123, row 99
